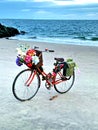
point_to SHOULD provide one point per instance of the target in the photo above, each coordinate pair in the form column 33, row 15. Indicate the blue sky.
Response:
column 49, row 9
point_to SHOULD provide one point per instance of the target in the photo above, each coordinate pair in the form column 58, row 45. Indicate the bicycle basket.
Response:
column 39, row 54
column 71, row 65
column 31, row 58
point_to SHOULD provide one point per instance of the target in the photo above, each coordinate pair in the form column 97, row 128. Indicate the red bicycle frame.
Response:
column 46, row 76
column 30, row 78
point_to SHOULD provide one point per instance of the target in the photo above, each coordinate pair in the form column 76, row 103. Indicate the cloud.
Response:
column 74, row 2
column 52, row 9
column 41, row 12
column 92, row 14
column 13, row 0
column 57, row 2
column 68, row 2
column 9, row 1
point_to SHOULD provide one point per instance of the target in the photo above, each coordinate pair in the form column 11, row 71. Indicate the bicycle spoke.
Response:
column 24, row 87
column 65, row 85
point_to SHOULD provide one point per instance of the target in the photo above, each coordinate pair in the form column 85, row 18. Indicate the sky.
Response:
column 49, row 9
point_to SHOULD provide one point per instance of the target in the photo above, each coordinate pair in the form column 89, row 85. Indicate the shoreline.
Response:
column 61, row 50
column 69, row 42
column 44, row 42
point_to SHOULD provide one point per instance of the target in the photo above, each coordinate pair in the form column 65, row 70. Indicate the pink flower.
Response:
column 28, row 59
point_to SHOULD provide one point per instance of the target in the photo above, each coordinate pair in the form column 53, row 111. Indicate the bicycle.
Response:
column 27, row 82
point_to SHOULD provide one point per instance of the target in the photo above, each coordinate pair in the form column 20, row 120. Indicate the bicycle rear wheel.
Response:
column 24, row 88
column 65, row 85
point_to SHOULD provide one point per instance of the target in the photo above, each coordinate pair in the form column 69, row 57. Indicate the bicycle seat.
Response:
column 59, row 59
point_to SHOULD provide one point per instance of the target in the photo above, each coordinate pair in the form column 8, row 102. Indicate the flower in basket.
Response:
column 20, row 53
column 31, row 52
column 35, row 59
column 21, row 50
column 19, row 61
column 24, row 47
column 28, row 59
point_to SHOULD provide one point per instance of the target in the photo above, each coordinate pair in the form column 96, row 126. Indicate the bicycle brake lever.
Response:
column 35, row 47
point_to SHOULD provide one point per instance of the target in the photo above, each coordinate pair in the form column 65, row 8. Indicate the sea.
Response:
column 75, row 32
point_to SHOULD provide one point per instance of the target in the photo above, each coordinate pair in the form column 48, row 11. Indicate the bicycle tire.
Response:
column 20, row 90
column 66, row 85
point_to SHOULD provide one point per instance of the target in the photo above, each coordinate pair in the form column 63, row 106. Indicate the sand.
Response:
column 75, row 110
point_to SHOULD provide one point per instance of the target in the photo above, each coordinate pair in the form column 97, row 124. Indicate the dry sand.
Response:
column 75, row 110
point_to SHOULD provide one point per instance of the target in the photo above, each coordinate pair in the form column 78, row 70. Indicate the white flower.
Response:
column 35, row 59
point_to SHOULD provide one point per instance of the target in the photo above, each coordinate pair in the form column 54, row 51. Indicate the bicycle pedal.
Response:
column 48, row 87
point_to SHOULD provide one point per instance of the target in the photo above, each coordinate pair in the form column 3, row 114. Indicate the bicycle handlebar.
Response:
column 46, row 49
column 36, row 47
column 51, row 50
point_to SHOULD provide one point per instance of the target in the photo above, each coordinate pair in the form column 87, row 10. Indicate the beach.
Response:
column 75, row 110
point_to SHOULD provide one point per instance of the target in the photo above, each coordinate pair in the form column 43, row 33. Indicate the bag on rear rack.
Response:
column 69, row 67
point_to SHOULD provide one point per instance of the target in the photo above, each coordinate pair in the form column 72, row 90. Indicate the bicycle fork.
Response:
column 30, row 78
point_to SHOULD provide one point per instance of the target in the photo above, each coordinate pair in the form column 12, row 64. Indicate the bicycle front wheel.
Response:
column 26, row 85
column 65, row 85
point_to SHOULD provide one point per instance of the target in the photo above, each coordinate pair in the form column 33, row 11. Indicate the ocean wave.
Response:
column 32, row 37
column 94, row 39
column 87, row 38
